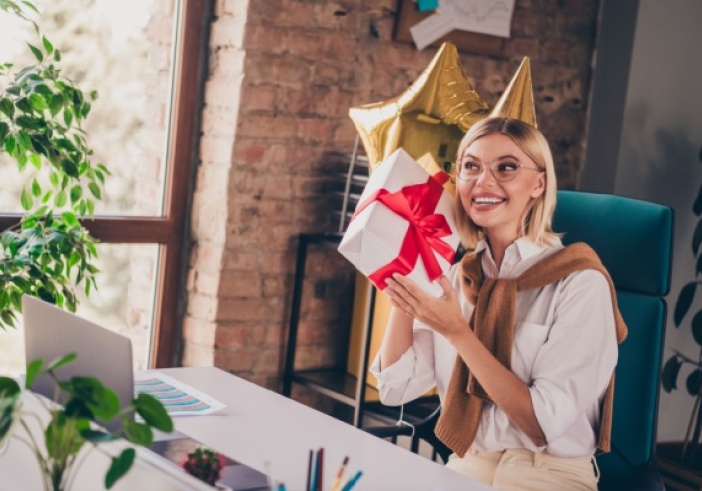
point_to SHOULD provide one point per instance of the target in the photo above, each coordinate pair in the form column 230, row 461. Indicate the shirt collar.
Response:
column 525, row 247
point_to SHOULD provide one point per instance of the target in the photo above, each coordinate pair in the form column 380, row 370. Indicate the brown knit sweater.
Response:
column 493, row 324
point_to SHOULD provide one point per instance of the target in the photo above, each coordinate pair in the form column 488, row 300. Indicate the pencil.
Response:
column 320, row 469
column 337, row 480
column 352, row 481
column 310, row 465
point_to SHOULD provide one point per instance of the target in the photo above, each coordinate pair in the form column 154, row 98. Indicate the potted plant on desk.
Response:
column 70, row 431
column 48, row 252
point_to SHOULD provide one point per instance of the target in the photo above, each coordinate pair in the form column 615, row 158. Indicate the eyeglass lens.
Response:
column 503, row 171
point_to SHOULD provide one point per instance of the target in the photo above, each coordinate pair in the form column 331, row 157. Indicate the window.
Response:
column 143, row 57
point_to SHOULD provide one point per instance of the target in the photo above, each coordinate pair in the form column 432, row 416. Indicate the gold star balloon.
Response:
column 430, row 117
column 517, row 101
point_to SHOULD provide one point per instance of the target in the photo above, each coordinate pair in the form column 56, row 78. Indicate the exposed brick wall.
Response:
column 282, row 77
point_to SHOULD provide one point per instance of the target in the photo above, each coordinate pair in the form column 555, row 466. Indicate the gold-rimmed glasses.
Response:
column 502, row 169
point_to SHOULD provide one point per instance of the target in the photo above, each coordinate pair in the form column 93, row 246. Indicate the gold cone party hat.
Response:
column 517, row 101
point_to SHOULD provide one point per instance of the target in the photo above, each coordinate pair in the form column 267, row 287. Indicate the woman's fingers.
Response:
column 398, row 290
column 412, row 291
column 445, row 285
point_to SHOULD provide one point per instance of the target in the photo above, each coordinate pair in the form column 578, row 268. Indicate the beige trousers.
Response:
column 523, row 470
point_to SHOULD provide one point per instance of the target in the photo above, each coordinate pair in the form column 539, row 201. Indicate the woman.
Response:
column 521, row 394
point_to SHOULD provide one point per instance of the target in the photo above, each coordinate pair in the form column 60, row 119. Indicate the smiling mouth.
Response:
column 488, row 201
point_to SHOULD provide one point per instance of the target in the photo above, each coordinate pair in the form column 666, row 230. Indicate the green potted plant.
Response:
column 70, row 427
column 671, row 369
column 48, row 253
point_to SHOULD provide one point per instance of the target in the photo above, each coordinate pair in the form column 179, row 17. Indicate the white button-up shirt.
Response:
column 565, row 350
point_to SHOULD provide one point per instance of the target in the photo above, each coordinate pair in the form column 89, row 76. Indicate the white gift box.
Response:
column 377, row 236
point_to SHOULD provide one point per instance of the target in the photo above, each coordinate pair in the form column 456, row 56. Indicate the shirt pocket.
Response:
column 528, row 340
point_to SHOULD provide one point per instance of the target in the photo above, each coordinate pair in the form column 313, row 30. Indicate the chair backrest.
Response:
column 634, row 241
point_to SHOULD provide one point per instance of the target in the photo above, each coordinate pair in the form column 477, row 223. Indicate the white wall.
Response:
column 658, row 154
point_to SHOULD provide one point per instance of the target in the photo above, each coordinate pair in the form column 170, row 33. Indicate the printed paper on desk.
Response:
column 178, row 398
column 404, row 223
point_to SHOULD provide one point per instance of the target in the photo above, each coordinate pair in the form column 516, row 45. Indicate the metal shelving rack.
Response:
column 334, row 383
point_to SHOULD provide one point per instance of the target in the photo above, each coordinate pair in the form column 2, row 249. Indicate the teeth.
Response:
column 488, row 201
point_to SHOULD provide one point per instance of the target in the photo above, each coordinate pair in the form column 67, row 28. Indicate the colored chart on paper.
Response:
column 178, row 398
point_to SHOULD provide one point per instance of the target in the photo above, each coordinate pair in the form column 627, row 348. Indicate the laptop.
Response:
column 51, row 332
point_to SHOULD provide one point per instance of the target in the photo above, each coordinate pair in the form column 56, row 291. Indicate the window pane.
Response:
column 122, row 303
column 124, row 51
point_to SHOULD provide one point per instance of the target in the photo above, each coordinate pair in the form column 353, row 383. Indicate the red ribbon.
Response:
column 416, row 204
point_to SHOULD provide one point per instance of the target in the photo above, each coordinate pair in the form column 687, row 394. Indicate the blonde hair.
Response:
column 536, row 221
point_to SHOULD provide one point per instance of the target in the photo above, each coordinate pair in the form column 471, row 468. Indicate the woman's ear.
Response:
column 539, row 185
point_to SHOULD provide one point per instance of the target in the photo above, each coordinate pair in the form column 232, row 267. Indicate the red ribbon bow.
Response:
column 416, row 204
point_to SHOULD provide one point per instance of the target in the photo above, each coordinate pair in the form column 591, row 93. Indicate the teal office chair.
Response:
column 634, row 241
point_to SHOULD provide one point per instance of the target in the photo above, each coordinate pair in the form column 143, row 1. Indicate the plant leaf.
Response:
column 119, row 467
column 4, row 131
column 95, row 190
column 76, row 408
column 38, row 102
column 9, row 388
column 102, row 401
column 36, row 189
column 697, row 327
column 62, row 437
column 26, row 200
column 37, row 52
column 669, row 377
column 70, row 168
column 687, row 294
column 8, row 405
column 697, row 238
column 8, row 108
column 48, row 47
column 153, row 412
column 33, row 369
column 69, row 218
column 97, row 436
column 60, row 199
column 694, row 382
column 138, row 433
column 62, row 361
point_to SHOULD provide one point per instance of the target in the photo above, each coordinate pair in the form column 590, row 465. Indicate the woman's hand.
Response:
column 441, row 314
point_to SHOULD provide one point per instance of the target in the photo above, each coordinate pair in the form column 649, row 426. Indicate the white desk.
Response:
column 259, row 426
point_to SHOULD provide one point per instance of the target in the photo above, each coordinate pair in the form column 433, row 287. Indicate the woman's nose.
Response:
column 486, row 178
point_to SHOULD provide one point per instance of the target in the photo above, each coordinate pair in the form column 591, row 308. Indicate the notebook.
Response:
column 51, row 332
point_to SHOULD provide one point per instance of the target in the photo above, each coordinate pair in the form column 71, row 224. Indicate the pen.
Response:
column 337, row 480
column 352, row 482
column 309, row 472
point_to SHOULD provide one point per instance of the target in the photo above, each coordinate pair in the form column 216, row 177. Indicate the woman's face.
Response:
column 497, row 206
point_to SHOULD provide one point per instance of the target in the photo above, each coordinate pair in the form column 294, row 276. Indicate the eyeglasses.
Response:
column 502, row 170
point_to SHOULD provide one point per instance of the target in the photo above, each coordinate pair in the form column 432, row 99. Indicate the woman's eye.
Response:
column 471, row 166
column 507, row 167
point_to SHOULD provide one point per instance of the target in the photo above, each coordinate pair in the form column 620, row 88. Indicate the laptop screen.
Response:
column 51, row 332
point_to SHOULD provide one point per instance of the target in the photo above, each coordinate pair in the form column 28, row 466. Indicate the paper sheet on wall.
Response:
column 492, row 17
column 178, row 398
